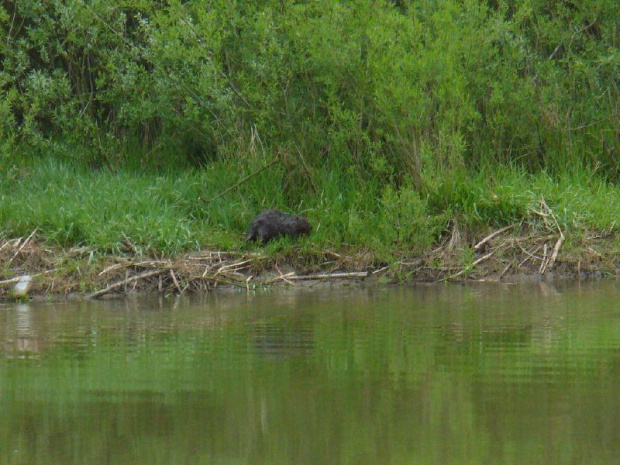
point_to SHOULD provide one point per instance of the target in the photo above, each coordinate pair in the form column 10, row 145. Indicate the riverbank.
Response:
column 99, row 233
column 135, row 154
column 508, row 254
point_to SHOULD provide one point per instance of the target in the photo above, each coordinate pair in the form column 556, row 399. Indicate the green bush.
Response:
column 397, row 90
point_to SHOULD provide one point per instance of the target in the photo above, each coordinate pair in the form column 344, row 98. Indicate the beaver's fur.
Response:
column 270, row 224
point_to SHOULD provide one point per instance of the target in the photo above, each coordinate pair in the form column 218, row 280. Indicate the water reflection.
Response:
column 430, row 374
column 279, row 340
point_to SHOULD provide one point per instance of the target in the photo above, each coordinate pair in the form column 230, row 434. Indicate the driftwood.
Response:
column 316, row 277
column 114, row 286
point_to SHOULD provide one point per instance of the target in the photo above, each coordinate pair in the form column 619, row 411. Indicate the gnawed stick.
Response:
column 492, row 235
column 110, row 268
column 554, row 254
column 233, row 266
column 22, row 246
column 468, row 268
column 281, row 277
column 176, row 283
column 543, row 265
column 352, row 275
column 148, row 274
column 504, row 271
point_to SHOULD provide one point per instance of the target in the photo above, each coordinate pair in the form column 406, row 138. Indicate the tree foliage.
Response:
column 399, row 90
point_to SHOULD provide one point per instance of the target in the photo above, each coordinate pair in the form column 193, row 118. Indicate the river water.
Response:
column 481, row 374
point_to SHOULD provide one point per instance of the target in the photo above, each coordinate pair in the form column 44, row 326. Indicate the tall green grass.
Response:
column 185, row 210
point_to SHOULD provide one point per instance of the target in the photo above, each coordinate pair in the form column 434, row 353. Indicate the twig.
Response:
column 233, row 266
column 543, row 265
column 224, row 281
column 381, row 269
column 355, row 274
column 145, row 275
column 176, row 283
column 501, row 275
column 14, row 280
column 556, row 250
column 307, row 170
column 22, row 246
column 110, row 268
column 234, row 186
column 492, row 235
column 470, row 267
column 280, row 277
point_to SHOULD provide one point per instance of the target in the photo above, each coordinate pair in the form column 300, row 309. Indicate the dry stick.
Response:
column 469, row 268
column 148, row 274
column 530, row 254
column 22, row 246
column 556, row 250
column 558, row 244
column 381, row 269
column 304, row 165
column 234, row 186
column 18, row 278
column 224, row 281
column 501, row 275
column 592, row 251
column 549, row 262
column 151, row 263
column 176, row 283
column 209, row 255
column 234, row 266
column 281, row 277
column 543, row 265
column 355, row 274
column 110, row 268
column 491, row 236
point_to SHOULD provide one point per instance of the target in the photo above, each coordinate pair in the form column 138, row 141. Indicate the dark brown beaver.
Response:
column 270, row 224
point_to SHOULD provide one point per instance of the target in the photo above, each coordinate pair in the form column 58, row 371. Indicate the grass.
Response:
column 172, row 213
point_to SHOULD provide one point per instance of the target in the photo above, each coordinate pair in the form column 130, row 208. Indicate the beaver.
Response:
column 270, row 224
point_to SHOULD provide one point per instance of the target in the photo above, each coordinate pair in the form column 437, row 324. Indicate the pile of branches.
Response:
column 531, row 247
column 197, row 272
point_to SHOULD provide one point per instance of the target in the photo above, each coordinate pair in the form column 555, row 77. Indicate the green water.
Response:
column 486, row 374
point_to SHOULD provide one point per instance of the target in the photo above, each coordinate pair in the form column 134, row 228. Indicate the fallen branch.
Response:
column 176, row 283
column 492, row 235
column 283, row 277
column 22, row 246
column 468, row 268
column 543, row 265
column 556, row 250
column 316, row 277
column 137, row 277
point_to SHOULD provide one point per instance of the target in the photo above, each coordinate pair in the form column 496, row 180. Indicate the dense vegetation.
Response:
column 384, row 121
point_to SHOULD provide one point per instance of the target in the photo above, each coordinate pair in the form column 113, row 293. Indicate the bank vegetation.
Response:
column 408, row 132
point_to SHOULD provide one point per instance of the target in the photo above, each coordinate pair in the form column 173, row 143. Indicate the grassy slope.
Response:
column 126, row 219
column 168, row 214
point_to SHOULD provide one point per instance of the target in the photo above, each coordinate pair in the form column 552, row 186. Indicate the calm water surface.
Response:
column 486, row 374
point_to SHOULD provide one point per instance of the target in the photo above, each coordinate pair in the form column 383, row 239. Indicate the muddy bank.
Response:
column 500, row 255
